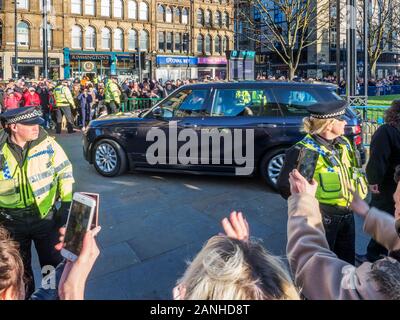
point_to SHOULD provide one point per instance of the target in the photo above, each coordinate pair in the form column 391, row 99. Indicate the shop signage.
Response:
column 89, row 57
column 53, row 62
column 212, row 60
column 89, row 66
column 172, row 60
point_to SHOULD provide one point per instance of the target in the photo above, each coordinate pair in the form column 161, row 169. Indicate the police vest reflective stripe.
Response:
column 46, row 174
column 336, row 173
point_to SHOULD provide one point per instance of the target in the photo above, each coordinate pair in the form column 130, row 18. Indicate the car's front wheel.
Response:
column 109, row 158
column 271, row 165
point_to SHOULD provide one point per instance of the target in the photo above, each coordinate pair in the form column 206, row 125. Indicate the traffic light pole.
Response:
column 140, row 64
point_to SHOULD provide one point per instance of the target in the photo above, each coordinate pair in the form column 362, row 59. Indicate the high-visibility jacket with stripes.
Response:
column 63, row 97
column 46, row 175
column 112, row 92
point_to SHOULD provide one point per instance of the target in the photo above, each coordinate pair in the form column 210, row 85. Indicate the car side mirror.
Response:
column 157, row 112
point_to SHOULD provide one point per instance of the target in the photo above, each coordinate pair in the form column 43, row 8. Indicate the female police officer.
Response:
column 337, row 172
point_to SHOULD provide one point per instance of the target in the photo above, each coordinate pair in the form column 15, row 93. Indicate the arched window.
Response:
column 168, row 15
column 207, row 19
column 118, row 9
column 118, row 39
column 208, row 44
column 200, row 44
column 169, row 41
column 177, row 15
column 185, row 16
column 160, row 13
column 132, row 39
column 90, row 7
column 161, row 41
column 106, row 38
column 217, row 45
column 76, row 37
column 90, row 38
column 143, row 11
column 105, row 8
column 76, row 6
column 144, row 40
column 200, row 17
column 225, row 21
column 49, row 35
column 132, row 9
column 178, row 42
column 225, row 44
column 217, row 19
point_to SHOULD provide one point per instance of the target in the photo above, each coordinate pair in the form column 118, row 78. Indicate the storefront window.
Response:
column 144, row 40
column 90, row 38
column 118, row 9
column 185, row 15
column 76, row 6
column 200, row 17
column 23, row 34
column 132, row 9
column 76, row 37
column 200, row 46
column 105, row 8
column 118, row 39
column 143, row 11
column 168, row 15
column 132, row 39
column 178, row 42
column 169, row 41
column 105, row 38
column 89, row 7
column 161, row 41
column 208, row 44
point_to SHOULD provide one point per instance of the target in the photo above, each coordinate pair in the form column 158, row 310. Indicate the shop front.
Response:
column 176, row 67
column 212, row 67
column 32, row 67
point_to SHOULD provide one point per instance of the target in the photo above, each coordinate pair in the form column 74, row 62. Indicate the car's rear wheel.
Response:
column 271, row 166
column 109, row 158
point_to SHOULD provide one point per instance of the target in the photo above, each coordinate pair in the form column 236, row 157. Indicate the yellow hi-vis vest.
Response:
column 63, row 97
column 337, row 173
column 45, row 175
column 112, row 92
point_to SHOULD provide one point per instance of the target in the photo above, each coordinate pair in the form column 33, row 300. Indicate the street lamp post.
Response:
column 351, row 48
column 366, row 19
column 16, row 40
column 45, row 47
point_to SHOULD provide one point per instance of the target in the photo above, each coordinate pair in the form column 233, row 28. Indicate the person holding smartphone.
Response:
column 35, row 173
column 337, row 171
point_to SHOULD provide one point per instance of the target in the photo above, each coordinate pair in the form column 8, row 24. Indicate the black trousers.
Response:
column 340, row 232
column 25, row 229
column 66, row 111
column 112, row 107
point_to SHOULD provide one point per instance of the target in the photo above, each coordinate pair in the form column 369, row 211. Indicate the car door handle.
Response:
column 266, row 125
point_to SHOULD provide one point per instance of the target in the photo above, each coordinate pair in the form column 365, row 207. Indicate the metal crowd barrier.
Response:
column 374, row 91
column 132, row 104
column 373, row 117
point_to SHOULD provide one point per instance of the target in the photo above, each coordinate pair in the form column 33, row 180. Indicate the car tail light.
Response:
column 358, row 140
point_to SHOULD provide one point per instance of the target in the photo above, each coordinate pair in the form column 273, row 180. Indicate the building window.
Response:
column 23, row 4
column 76, row 6
column 333, row 38
column 200, row 17
column 118, row 39
column 169, row 41
column 76, row 37
column 48, row 5
column 185, row 41
column 168, row 15
column 105, row 8
column 49, row 35
column 143, row 11
column 200, row 45
column 177, row 15
column 185, row 15
column 144, row 40
column 217, row 19
column 132, row 39
column 118, row 9
column 106, row 38
column 178, row 42
column 225, row 44
column 208, row 44
column 207, row 19
column 161, row 41
column 90, row 38
column 217, row 45
column 160, row 13
column 90, row 9
column 132, row 10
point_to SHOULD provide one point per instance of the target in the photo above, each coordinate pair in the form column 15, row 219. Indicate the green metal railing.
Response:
column 373, row 117
column 132, row 104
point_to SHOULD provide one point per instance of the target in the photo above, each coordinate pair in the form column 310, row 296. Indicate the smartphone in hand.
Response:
column 79, row 222
column 307, row 162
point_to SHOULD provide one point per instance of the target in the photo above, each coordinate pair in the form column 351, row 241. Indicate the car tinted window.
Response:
column 295, row 101
column 185, row 103
column 244, row 102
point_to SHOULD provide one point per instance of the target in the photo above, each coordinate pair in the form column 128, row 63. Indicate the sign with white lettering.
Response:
column 174, row 60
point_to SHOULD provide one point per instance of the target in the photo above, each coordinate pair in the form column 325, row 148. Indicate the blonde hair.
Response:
column 316, row 126
column 230, row 269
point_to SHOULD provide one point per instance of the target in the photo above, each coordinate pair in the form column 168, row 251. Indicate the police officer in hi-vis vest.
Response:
column 34, row 174
column 337, row 172
column 64, row 103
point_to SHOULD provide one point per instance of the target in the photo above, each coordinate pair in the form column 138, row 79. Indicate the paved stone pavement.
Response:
column 153, row 223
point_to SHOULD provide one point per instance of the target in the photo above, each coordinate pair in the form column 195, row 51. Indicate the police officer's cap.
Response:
column 24, row 115
column 328, row 110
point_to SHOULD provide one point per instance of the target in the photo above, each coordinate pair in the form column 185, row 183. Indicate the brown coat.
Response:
column 318, row 272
